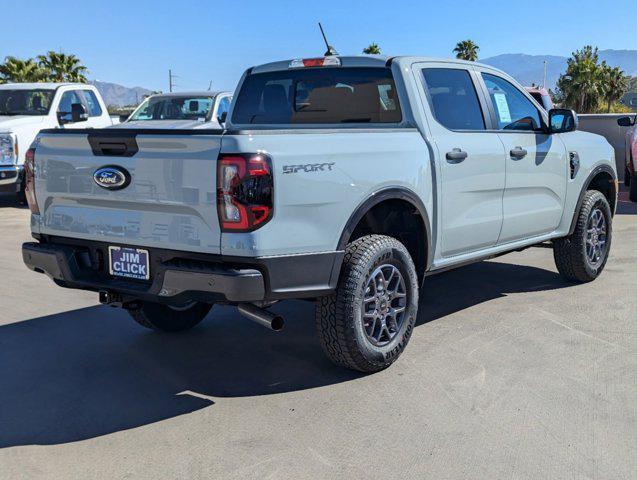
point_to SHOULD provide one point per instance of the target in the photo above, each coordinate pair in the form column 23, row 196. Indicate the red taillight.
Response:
column 244, row 191
column 29, row 184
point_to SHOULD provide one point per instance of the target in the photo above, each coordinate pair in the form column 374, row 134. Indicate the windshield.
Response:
column 25, row 102
column 319, row 96
column 173, row 108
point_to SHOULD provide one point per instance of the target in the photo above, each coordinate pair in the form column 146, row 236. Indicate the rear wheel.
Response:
column 581, row 257
column 366, row 324
column 166, row 318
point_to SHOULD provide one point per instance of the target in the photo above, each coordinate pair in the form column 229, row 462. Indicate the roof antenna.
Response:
column 330, row 49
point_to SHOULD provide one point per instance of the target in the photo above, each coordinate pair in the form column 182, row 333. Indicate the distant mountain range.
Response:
column 120, row 96
column 529, row 69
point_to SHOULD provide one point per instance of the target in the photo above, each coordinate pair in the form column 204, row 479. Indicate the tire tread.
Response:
column 333, row 311
column 568, row 251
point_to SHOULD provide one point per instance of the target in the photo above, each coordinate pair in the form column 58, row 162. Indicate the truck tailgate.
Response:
column 170, row 202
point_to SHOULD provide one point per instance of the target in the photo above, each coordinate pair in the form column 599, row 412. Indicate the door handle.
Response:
column 518, row 153
column 457, row 155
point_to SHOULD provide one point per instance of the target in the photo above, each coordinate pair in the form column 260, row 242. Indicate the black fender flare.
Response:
column 596, row 171
column 389, row 193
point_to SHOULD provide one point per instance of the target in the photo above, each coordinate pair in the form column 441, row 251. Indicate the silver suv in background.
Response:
column 182, row 110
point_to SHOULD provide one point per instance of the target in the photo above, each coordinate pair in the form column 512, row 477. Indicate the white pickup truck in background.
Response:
column 27, row 108
column 181, row 110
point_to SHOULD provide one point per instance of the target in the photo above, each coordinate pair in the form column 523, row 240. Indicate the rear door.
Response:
column 536, row 163
column 169, row 201
column 472, row 159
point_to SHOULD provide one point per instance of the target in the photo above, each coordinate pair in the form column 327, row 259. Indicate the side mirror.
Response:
column 222, row 118
column 626, row 121
column 562, row 120
column 78, row 113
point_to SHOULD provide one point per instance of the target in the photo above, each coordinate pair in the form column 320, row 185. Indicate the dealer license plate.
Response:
column 129, row 263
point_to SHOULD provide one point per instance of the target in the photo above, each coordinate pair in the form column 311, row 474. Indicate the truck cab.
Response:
column 27, row 108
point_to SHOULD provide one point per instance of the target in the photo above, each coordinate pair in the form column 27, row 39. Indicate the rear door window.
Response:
column 453, row 98
column 318, row 96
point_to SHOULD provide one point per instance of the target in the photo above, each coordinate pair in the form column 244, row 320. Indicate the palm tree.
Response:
column 466, row 50
column 582, row 86
column 62, row 67
column 18, row 71
column 372, row 49
column 615, row 85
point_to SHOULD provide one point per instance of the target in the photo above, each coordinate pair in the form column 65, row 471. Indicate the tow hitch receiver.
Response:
column 116, row 300
column 111, row 299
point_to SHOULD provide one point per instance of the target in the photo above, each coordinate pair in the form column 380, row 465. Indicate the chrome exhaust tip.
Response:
column 261, row 316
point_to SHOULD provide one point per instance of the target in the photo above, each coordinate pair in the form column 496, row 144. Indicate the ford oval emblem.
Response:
column 112, row 177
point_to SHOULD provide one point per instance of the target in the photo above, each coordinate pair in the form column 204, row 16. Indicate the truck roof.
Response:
column 369, row 61
column 40, row 86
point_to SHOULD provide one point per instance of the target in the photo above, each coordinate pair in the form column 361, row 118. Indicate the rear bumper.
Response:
column 180, row 277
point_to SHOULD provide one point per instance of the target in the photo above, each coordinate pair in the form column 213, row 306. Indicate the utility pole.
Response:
column 170, row 80
column 544, row 82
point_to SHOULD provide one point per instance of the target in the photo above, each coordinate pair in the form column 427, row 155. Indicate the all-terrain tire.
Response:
column 164, row 318
column 339, row 317
column 570, row 252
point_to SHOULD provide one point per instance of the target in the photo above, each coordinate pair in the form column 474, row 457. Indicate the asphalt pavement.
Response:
column 512, row 372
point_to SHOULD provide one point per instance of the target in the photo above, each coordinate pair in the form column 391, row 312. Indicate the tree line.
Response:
column 587, row 86
column 591, row 86
column 50, row 67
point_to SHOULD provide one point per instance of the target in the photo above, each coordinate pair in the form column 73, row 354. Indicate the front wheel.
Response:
column 632, row 192
column 166, row 318
column 581, row 256
column 366, row 324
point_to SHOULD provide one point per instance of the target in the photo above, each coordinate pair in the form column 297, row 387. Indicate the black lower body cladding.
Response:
column 179, row 277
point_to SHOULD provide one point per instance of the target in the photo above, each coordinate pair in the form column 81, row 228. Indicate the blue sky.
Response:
column 135, row 42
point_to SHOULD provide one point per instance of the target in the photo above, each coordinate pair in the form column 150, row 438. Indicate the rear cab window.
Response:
column 330, row 95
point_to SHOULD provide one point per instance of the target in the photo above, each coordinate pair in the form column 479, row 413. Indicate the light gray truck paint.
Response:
column 485, row 205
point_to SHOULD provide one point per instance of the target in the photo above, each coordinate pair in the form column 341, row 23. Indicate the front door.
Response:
column 472, row 160
column 536, row 163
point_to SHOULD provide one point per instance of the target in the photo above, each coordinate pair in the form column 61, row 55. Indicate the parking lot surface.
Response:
column 511, row 372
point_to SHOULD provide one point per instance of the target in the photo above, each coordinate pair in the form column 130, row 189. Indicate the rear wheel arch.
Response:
column 410, row 224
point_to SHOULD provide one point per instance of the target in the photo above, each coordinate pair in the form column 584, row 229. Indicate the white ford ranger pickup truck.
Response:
column 344, row 180
column 27, row 108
